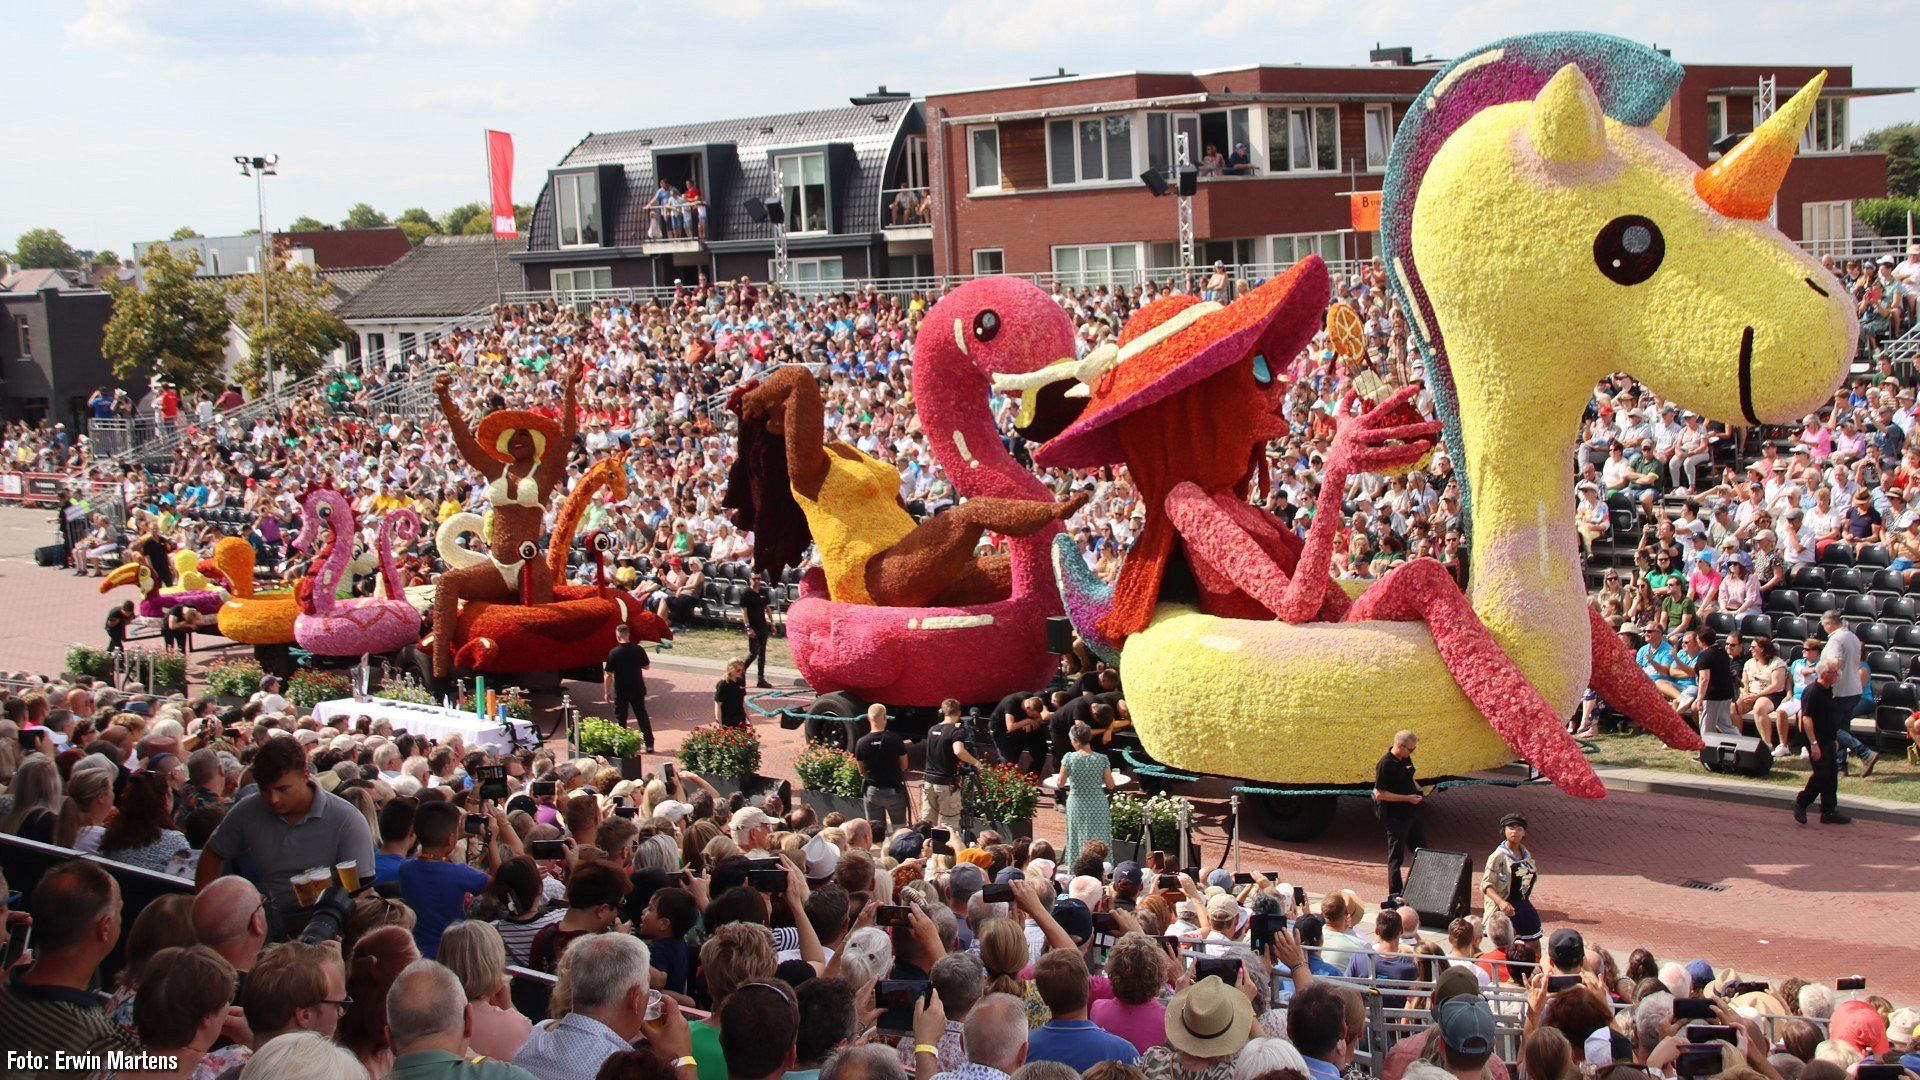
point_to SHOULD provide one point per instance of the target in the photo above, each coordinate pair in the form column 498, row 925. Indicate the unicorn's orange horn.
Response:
column 1744, row 181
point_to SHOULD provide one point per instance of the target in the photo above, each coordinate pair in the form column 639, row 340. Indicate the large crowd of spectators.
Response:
column 726, row 938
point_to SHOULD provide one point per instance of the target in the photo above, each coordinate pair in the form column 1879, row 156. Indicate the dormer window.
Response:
column 577, row 209
column 803, row 190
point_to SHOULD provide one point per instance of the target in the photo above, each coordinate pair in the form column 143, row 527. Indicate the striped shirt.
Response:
column 42, row 1020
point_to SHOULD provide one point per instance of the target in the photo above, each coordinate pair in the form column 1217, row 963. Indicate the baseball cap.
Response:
column 1008, row 875
column 1700, row 972
column 1223, row 905
column 965, row 880
column 822, row 858
column 672, row 810
column 1127, row 872
column 1074, row 918
column 748, row 817
column 1220, row 879
column 1454, row 982
column 1861, row 1026
column 1466, row 1024
column 905, row 846
column 1566, row 948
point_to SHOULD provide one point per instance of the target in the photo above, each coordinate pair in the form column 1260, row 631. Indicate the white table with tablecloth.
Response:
column 433, row 721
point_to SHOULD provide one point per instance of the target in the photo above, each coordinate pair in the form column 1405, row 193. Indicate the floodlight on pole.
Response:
column 259, row 168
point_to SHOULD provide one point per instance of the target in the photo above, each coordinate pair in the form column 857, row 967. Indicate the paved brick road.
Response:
column 1808, row 901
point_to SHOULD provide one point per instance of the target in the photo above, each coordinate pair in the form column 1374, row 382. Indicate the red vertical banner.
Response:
column 500, row 174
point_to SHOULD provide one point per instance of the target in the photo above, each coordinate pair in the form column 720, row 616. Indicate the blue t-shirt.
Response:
column 672, row 956
column 1078, row 1044
column 386, row 868
column 437, row 892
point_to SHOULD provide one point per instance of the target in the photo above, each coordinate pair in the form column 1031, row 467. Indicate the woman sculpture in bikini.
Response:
column 871, row 549
column 523, row 455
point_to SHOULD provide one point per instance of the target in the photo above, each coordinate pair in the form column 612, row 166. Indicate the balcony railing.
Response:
column 902, row 208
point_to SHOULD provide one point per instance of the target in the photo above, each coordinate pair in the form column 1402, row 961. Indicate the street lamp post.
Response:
column 260, row 168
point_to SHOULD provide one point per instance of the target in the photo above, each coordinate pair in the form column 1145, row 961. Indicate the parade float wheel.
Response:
column 1295, row 817
column 832, row 732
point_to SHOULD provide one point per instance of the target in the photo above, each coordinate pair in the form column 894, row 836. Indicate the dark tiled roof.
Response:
column 869, row 129
column 444, row 278
column 343, row 249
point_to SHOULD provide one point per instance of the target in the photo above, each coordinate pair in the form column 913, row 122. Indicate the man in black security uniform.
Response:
column 1396, row 798
column 1078, row 710
column 940, row 780
column 1020, row 727
column 753, row 603
column 883, row 770
column 625, row 683
column 730, row 696
column 1821, row 717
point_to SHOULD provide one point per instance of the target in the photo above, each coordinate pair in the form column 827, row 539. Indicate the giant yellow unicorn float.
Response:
column 1542, row 234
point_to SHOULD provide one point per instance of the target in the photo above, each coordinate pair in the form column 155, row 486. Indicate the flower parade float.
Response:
column 901, row 612
column 154, row 600
column 572, row 631
column 362, row 626
column 260, row 619
column 1542, row 234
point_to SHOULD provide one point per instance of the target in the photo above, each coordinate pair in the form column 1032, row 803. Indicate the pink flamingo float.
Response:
column 328, row 626
column 919, row 656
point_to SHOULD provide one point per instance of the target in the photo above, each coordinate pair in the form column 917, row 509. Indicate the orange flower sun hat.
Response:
column 497, row 428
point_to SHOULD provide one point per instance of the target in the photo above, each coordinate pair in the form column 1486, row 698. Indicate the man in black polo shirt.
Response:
column 753, row 604
column 626, row 683
column 1020, row 727
column 1396, row 798
column 1717, row 684
column 730, row 696
column 1078, row 710
column 940, row 780
column 883, row 768
column 1821, row 715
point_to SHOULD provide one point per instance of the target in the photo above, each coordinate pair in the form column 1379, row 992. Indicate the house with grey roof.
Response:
column 442, row 279
column 846, row 185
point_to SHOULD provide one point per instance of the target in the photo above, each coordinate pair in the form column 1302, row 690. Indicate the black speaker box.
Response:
column 1155, row 182
column 1059, row 635
column 1439, row 885
column 1740, row 754
column 1189, row 181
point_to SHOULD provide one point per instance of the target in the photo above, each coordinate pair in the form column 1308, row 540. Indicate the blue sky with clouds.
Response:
column 126, row 113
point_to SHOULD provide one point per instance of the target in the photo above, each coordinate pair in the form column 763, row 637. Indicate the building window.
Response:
column 583, row 279
column 1827, row 132
column 213, row 263
column 1223, row 130
column 1826, row 227
column 26, row 337
column 1716, row 122
column 1293, row 247
column 577, row 209
column 803, row 189
column 811, row 275
column 1379, row 136
column 989, row 261
column 1083, row 151
column 913, row 171
column 1303, row 139
column 983, row 159
column 376, row 344
column 1096, row 264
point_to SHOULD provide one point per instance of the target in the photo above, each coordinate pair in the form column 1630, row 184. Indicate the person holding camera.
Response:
column 435, row 886
column 947, row 753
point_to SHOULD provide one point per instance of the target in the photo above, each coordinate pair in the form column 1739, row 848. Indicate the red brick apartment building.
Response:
column 1044, row 176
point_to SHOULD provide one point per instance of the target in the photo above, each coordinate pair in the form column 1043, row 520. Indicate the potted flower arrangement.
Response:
column 232, row 680
column 1135, row 816
column 621, row 747
column 726, row 757
column 91, row 662
column 311, row 686
column 831, row 779
column 168, row 668
column 1002, row 798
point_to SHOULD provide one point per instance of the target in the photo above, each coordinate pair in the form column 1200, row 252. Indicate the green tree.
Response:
column 299, row 332
column 1901, row 144
column 305, row 223
column 185, row 232
column 455, row 221
column 45, row 249
column 523, row 216
column 364, row 216
column 417, row 224
column 175, row 326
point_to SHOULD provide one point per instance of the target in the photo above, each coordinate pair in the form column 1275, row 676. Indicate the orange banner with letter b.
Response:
column 1365, row 206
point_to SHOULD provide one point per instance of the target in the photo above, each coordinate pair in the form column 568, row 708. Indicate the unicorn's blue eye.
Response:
column 1261, row 374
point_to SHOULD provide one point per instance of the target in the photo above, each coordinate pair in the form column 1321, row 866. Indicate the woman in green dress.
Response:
column 1086, row 777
